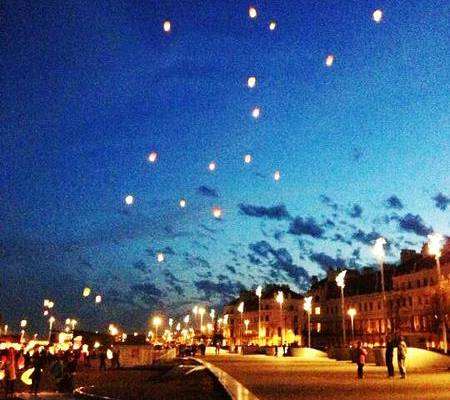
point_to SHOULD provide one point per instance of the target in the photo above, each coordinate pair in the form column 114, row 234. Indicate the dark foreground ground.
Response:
column 161, row 382
column 291, row 378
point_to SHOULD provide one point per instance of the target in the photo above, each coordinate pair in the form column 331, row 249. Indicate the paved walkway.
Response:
column 291, row 378
column 44, row 396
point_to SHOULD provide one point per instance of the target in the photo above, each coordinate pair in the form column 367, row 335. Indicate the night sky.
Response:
column 89, row 89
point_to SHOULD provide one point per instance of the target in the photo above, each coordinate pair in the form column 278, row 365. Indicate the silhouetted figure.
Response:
column 361, row 360
column 37, row 362
column 390, row 345
column 402, row 349
column 102, row 359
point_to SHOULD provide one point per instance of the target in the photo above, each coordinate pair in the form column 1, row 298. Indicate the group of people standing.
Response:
column 392, row 343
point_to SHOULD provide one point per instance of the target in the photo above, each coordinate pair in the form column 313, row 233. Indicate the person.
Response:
column 217, row 348
column 37, row 362
column 102, row 358
column 390, row 356
column 361, row 360
column 10, row 372
column 402, row 349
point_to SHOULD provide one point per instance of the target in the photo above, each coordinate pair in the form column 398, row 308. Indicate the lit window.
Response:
column 317, row 310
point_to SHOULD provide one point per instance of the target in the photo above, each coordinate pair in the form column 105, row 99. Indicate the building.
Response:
column 412, row 306
column 276, row 317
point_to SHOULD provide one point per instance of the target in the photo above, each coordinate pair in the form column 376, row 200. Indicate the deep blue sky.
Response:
column 90, row 88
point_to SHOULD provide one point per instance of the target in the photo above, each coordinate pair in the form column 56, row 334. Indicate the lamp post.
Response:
column 259, row 294
column 201, row 311
column 379, row 253
column 280, row 300
column 307, row 306
column 241, row 310
column 352, row 312
column 435, row 244
column 51, row 321
column 340, row 282
column 156, row 323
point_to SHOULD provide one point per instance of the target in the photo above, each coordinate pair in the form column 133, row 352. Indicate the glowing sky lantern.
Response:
column 247, row 158
column 129, row 200
column 212, row 166
column 23, row 323
column 256, row 112
column 251, row 82
column 45, row 313
column 217, row 212
column 152, row 157
column 98, row 299
column 272, row 25
column 86, row 292
column 109, row 354
column 96, row 345
column 167, row 26
column 277, row 176
column 329, row 60
column 252, row 13
column 377, row 16
column 182, row 203
column 160, row 257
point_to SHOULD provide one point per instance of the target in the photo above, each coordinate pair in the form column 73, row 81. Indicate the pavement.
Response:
column 294, row 378
column 44, row 396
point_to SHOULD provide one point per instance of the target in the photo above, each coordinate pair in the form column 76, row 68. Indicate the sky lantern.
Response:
column 272, row 25
column 277, row 175
column 256, row 112
column 160, row 257
column 377, row 15
column 217, row 212
column 252, row 13
column 212, row 166
column 153, row 156
column 182, row 203
column 98, row 299
column 109, row 354
column 329, row 60
column 167, row 26
column 247, row 158
column 129, row 200
column 251, row 82
column 86, row 292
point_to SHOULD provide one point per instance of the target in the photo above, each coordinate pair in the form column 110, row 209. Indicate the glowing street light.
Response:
column 280, row 300
column 251, row 82
column 201, row 312
column 258, row 293
column 307, row 306
column 51, row 321
column 129, row 200
column 113, row 330
column 329, row 60
column 256, row 112
column 377, row 16
column 241, row 311
column 380, row 254
column 340, row 281
column 435, row 244
column 252, row 13
column 167, row 26
column 272, row 25
column 23, row 323
column 352, row 312
column 152, row 157
column 157, row 321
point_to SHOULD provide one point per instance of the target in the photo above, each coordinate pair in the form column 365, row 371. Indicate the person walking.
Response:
column 38, row 364
column 10, row 373
column 402, row 349
column 361, row 360
column 102, row 358
column 390, row 356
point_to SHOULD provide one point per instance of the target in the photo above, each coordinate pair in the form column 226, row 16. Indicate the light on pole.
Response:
column 280, row 300
column 307, row 306
column 51, row 321
column 201, row 311
column 259, row 294
column 379, row 253
column 352, row 312
column 241, row 310
column 157, row 321
column 435, row 244
column 340, row 281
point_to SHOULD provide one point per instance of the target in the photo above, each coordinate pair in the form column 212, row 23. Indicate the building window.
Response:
column 317, row 310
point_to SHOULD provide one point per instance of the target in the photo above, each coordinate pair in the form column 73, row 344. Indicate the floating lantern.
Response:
column 98, row 299
column 272, row 25
column 212, row 166
column 217, row 212
column 247, row 158
column 377, row 16
column 252, row 13
column 86, row 292
column 256, row 112
column 109, row 354
column 167, row 26
column 251, row 82
column 153, row 156
column 129, row 200
column 277, row 175
column 182, row 203
column 329, row 60
column 160, row 257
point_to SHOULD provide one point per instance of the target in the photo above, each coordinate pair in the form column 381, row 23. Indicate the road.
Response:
column 291, row 378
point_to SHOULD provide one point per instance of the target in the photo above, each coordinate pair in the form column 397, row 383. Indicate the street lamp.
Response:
column 379, row 253
column 51, row 321
column 246, row 323
column 340, row 282
column 435, row 244
column 201, row 311
column 280, row 300
column 307, row 306
column 241, row 310
column 157, row 321
column 352, row 312
column 259, row 294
